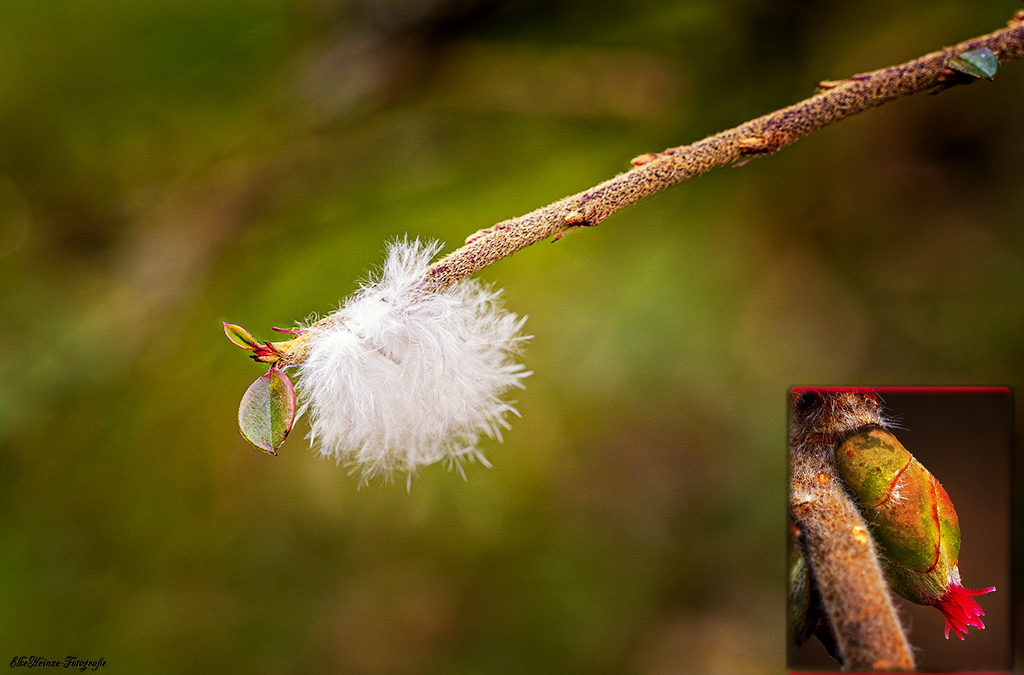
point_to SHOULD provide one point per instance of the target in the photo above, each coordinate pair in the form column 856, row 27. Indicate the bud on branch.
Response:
column 914, row 523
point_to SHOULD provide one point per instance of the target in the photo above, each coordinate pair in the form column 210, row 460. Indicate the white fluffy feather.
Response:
column 404, row 378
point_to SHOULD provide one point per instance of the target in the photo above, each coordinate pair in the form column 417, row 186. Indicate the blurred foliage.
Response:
column 165, row 166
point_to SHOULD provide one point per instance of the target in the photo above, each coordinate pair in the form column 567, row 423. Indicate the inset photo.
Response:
column 899, row 529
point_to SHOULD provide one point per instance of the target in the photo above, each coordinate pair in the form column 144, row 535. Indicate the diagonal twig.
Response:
column 654, row 172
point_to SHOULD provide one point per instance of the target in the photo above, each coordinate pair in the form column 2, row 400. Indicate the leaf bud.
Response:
column 914, row 523
column 239, row 336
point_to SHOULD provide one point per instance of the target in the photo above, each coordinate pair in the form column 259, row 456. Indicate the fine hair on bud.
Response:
column 400, row 378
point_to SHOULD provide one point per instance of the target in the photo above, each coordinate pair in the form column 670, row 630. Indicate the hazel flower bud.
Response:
column 914, row 523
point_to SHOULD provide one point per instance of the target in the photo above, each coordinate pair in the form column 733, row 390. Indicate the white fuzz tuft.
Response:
column 403, row 378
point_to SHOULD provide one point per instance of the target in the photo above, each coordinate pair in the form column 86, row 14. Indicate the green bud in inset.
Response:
column 902, row 502
column 913, row 522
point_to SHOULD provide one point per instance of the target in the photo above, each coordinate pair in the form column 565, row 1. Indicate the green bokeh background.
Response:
column 165, row 166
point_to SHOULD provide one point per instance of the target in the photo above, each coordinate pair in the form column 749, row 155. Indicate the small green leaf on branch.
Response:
column 976, row 63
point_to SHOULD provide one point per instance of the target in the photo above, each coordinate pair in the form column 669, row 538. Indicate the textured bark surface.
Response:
column 835, row 537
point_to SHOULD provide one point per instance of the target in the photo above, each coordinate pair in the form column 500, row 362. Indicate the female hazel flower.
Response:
column 915, row 524
column 399, row 378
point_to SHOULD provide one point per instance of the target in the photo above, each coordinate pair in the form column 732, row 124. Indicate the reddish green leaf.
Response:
column 239, row 336
column 267, row 411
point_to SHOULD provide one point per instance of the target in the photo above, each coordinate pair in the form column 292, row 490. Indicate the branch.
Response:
column 764, row 135
column 654, row 172
column 835, row 538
